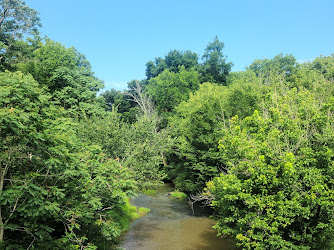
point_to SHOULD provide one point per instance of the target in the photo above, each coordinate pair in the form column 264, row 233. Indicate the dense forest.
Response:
column 256, row 145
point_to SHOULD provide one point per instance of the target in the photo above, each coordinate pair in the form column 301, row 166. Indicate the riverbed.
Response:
column 171, row 224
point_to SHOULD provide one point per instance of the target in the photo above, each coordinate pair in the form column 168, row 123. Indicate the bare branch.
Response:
column 205, row 198
column 143, row 101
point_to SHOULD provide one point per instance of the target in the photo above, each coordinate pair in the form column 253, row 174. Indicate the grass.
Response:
column 143, row 211
column 139, row 212
column 149, row 192
column 134, row 212
column 178, row 195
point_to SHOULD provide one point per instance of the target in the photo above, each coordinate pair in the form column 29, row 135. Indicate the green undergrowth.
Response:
column 122, row 216
column 131, row 213
column 178, row 195
column 149, row 191
column 143, row 211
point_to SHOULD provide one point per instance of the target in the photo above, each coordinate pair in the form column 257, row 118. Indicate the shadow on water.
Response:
column 171, row 224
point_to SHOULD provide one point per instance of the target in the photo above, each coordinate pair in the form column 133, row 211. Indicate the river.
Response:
column 171, row 225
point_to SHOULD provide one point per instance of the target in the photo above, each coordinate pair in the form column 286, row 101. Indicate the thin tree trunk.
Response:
column 3, row 18
column 163, row 159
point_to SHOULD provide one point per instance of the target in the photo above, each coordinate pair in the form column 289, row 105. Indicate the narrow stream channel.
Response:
column 171, row 225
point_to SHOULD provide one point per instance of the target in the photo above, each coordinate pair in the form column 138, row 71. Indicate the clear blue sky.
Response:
column 119, row 37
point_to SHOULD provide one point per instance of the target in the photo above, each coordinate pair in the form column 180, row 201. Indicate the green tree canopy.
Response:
column 54, row 186
column 172, row 61
column 122, row 102
column 16, row 20
column 67, row 74
column 215, row 69
column 51, row 55
column 169, row 88
column 279, row 64
column 196, row 125
column 278, row 190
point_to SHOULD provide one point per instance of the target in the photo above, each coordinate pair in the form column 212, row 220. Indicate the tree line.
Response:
column 256, row 145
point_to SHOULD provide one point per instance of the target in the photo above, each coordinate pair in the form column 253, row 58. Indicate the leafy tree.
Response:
column 76, row 91
column 144, row 150
column 277, row 189
column 16, row 20
column 145, row 144
column 324, row 66
column 280, row 64
column 173, row 61
column 50, row 56
column 121, row 101
column 196, row 125
column 140, row 146
column 153, row 69
column 169, row 89
column 246, row 93
column 53, row 185
column 215, row 69
column 67, row 74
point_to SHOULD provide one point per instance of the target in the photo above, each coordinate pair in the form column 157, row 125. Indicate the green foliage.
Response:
column 76, row 91
column 57, row 183
column 196, row 126
column 178, row 195
column 215, row 69
column 324, row 66
column 278, row 190
column 121, row 102
column 51, row 55
column 172, row 62
column 68, row 76
column 143, row 211
column 279, row 64
column 130, row 213
column 68, row 167
column 106, row 131
column 65, row 183
column 139, row 146
column 144, row 147
column 169, row 89
column 17, row 20
column 149, row 191
column 244, row 96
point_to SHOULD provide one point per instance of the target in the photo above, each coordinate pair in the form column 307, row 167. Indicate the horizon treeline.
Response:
column 256, row 145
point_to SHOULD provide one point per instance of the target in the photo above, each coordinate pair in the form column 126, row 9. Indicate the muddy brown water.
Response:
column 171, row 224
